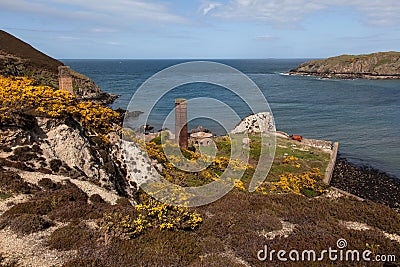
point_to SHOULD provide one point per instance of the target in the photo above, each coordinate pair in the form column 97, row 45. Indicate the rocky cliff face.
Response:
column 384, row 65
column 18, row 58
column 60, row 146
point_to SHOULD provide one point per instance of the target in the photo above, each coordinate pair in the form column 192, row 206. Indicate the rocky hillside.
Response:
column 383, row 65
column 49, row 131
column 18, row 58
column 67, row 197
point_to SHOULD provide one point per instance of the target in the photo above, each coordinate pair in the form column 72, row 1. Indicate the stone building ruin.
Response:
column 65, row 79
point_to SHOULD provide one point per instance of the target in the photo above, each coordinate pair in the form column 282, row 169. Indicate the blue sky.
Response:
column 204, row 29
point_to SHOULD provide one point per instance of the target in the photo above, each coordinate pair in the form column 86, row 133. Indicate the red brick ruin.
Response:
column 181, row 128
column 65, row 79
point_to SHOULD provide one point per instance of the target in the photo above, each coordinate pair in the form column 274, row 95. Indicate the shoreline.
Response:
column 367, row 183
column 343, row 76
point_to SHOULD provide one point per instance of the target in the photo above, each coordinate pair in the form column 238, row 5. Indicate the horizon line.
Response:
column 187, row 58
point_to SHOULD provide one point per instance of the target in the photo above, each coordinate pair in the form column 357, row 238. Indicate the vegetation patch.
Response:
column 150, row 213
column 48, row 184
column 87, row 262
column 96, row 198
column 153, row 248
column 13, row 183
column 21, row 95
column 23, row 153
column 55, row 165
column 64, row 202
column 72, row 236
column 28, row 223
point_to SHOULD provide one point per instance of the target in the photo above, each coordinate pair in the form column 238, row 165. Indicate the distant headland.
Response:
column 381, row 65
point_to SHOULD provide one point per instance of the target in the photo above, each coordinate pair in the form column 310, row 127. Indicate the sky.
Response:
column 202, row 29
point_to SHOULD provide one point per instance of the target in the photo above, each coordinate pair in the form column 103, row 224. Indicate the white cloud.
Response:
column 377, row 12
column 267, row 37
column 115, row 12
column 113, row 43
column 277, row 11
column 68, row 37
column 210, row 6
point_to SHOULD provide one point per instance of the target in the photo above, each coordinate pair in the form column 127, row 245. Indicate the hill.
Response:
column 382, row 65
column 18, row 58
column 70, row 196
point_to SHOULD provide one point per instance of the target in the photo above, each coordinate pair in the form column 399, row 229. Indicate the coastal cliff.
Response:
column 382, row 65
column 68, row 197
column 18, row 58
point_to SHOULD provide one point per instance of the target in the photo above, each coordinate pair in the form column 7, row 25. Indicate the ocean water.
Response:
column 362, row 115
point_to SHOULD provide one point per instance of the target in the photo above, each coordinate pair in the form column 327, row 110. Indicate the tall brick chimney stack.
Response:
column 181, row 128
column 65, row 79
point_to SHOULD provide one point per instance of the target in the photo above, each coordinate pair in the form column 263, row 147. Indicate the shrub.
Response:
column 55, row 165
column 149, row 214
column 72, row 236
column 96, row 198
column 48, row 184
column 22, row 95
column 43, row 170
column 11, row 181
column 65, row 202
column 29, row 223
column 23, row 153
column 39, row 207
column 5, row 195
column 153, row 248
column 309, row 183
column 17, row 165
column 124, row 202
column 216, row 260
column 6, row 148
column 91, row 262
column 74, row 210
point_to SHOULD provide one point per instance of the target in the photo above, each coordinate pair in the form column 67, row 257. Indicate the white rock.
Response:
column 257, row 123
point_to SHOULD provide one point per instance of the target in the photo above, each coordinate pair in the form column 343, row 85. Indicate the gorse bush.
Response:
column 308, row 181
column 23, row 95
column 148, row 214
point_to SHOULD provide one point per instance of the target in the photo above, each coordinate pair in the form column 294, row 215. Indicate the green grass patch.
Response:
column 5, row 194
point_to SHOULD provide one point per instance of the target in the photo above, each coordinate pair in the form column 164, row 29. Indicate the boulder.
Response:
column 257, row 123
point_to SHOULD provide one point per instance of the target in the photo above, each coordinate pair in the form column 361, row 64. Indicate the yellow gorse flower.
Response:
column 149, row 214
column 21, row 94
column 289, row 182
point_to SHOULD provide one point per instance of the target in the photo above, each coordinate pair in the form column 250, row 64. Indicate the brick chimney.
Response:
column 65, row 79
column 181, row 128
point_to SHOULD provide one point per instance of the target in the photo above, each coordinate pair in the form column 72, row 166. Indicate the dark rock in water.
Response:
column 133, row 114
column 367, row 183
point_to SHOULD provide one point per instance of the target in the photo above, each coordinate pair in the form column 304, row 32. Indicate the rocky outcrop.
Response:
column 18, row 58
column 85, row 89
column 257, row 123
column 141, row 169
column 383, row 65
column 60, row 146
column 367, row 183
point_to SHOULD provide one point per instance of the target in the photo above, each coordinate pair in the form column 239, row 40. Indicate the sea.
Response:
column 362, row 115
